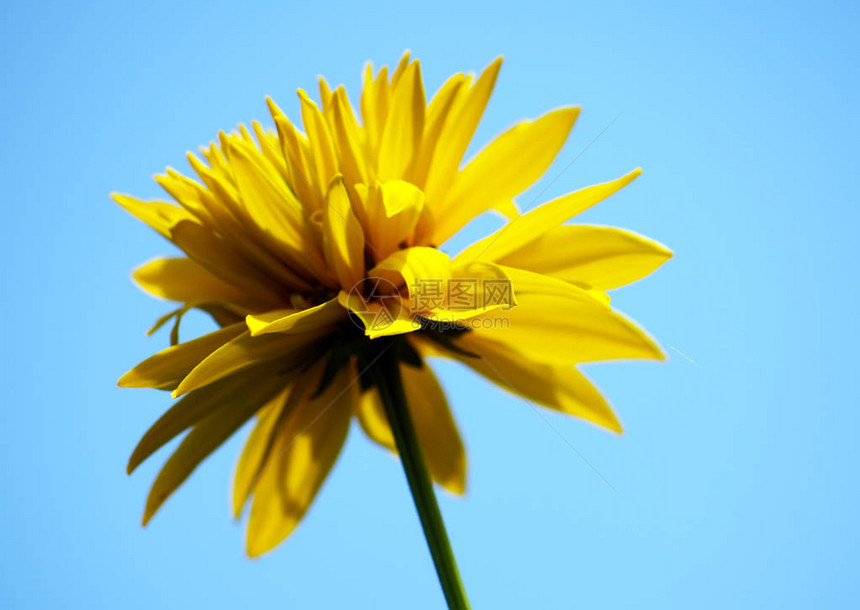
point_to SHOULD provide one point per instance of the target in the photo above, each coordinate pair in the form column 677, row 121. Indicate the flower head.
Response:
column 317, row 249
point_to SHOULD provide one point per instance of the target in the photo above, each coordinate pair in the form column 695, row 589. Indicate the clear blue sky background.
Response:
column 737, row 476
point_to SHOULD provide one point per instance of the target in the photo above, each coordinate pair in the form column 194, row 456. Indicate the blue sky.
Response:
column 736, row 478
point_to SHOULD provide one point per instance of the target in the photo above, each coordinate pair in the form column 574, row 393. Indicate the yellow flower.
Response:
column 316, row 251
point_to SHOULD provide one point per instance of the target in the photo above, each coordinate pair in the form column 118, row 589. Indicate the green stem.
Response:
column 386, row 374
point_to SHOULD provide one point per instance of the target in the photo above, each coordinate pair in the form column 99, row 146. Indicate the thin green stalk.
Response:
column 386, row 374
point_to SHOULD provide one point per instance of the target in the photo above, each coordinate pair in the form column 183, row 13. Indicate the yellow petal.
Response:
column 562, row 331
column 402, row 133
column 188, row 193
column 325, row 93
column 186, row 412
column 308, row 444
column 437, row 114
column 241, row 232
column 166, row 369
column 325, row 315
column 322, row 159
column 270, row 146
column 343, row 237
column 423, row 280
column 222, row 206
column 422, row 273
column 371, row 416
column 265, row 196
column 296, row 152
column 275, row 211
column 215, row 156
column 524, row 229
column 184, row 280
column 470, row 290
column 405, row 268
column 347, row 136
column 159, row 215
column 256, row 451
column 603, row 257
column 388, row 316
column 527, row 283
column 237, row 407
column 558, row 387
column 393, row 209
column 504, row 169
column 437, row 431
column 221, row 259
column 374, row 108
column 401, row 67
column 460, row 126
column 245, row 351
